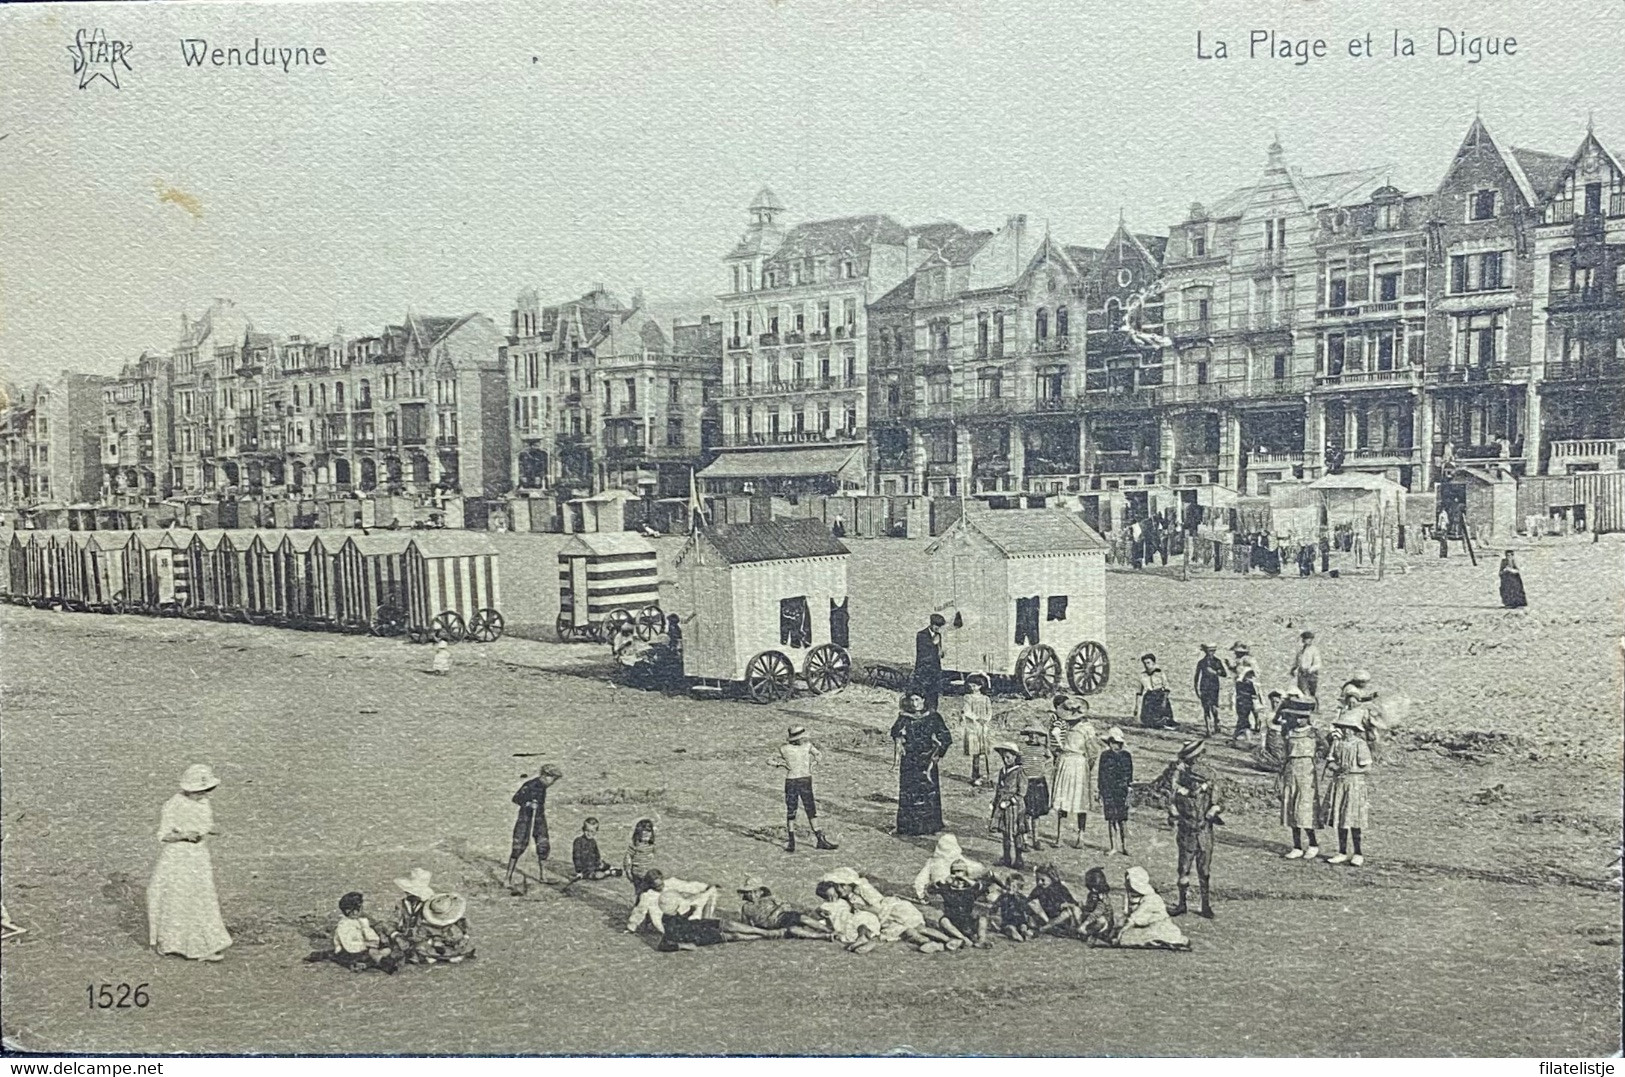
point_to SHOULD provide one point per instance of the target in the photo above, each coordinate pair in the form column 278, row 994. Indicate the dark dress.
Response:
column 1116, row 770
column 1512, row 596
column 928, row 666
column 925, row 739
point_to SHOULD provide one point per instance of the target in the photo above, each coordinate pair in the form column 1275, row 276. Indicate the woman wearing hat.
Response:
column 1299, row 785
column 1347, row 799
column 1076, row 788
column 1245, row 670
column 183, row 913
column 976, row 727
column 924, row 740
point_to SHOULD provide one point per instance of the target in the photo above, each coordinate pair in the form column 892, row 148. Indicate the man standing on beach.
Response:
column 928, row 661
column 1210, row 670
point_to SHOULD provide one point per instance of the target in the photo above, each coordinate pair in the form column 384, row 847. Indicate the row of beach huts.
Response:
column 428, row 585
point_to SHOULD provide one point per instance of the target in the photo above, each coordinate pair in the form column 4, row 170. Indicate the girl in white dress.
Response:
column 183, row 914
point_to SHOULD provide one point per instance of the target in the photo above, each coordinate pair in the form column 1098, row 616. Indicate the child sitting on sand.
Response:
column 356, row 945
column 960, row 919
column 588, row 862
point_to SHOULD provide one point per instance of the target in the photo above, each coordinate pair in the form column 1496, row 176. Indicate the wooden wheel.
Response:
column 770, row 678
column 1038, row 671
column 828, row 669
column 565, row 628
column 485, row 626
column 387, row 620
column 419, row 634
column 1087, row 668
column 653, row 617
column 449, row 627
column 118, row 605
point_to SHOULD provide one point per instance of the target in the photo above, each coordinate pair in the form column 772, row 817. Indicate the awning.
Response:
column 786, row 463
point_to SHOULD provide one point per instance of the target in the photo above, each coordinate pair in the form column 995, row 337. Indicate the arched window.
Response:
column 1060, row 321
column 1043, row 324
column 1114, row 314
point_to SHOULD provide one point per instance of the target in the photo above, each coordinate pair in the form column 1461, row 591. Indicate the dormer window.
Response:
column 1198, row 242
column 1481, row 206
column 849, row 269
column 1387, row 219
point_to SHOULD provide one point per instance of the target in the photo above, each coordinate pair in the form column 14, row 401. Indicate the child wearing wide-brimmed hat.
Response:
column 1116, row 776
column 1010, row 804
column 1036, row 758
column 976, row 722
column 796, row 757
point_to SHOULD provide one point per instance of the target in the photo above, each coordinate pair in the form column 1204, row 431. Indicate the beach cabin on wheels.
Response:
column 103, row 555
column 452, row 587
column 761, row 603
column 371, row 582
column 203, row 570
column 264, row 599
column 608, row 579
column 1024, row 595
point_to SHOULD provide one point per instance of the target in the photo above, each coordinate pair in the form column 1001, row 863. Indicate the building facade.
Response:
column 49, row 443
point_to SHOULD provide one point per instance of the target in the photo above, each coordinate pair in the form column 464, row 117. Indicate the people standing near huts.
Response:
column 928, row 661
column 1077, row 789
column 1146, row 923
column 1347, row 799
column 1300, row 794
column 1306, row 667
column 1512, row 596
column 531, row 823
column 1210, row 670
column 640, row 857
column 1010, row 804
column 1244, row 669
column 1153, row 703
column 924, row 739
column 183, row 912
column 1115, row 772
column 1194, row 810
column 795, row 757
column 1036, row 760
column 976, row 728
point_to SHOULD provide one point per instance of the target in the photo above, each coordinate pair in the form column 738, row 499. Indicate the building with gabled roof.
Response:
column 795, row 369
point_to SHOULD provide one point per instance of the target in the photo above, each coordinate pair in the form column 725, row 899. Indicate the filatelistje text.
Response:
column 1465, row 46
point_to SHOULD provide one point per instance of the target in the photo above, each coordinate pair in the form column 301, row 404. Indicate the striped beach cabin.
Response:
column 606, row 578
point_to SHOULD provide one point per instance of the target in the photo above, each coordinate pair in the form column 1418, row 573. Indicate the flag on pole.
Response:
column 696, row 508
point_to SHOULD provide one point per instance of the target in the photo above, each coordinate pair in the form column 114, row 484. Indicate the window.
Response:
column 989, row 385
column 631, row 394
column 823, row 316
column 1275, row 234
column 1114, row 314
column 823, row 418
column 849, row 269
column 851, row 419
column 1061, row 322
column 674, row 391
column 1478, row 272
column 338, row 394
column 1385, row 351
column 1593, row 198
column 1387, row 218
column 1202, row 372
column 981, row 333
column 998, row 327
column 849, row 312
column 1334, row 354
column 739, row 426
column 1388, row 283
column 1279, row 370
column 1055, row 608
column 798, row 420
column 1337, row 289
column 773, row 422
column 1481, row 206
column 938, row 389
column 1478, row 339
column 1199, row 243
column 736, row 281
column 1042, row 328
column 851, row 368
column 674, row 433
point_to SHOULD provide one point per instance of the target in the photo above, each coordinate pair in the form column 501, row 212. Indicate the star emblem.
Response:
column 95, row 57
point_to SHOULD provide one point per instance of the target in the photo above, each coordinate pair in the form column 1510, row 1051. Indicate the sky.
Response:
column 448, row 155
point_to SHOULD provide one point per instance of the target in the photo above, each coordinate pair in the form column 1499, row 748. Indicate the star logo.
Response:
column 95, row 57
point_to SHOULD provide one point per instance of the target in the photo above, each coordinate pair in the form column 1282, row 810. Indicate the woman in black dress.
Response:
column 924, row 739
column 1512, row 596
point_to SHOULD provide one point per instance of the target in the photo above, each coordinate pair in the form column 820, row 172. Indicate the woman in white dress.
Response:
column 1076, row 791
column 183, row 914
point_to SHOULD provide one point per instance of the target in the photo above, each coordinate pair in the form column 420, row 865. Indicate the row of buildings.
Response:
column 1297, row 326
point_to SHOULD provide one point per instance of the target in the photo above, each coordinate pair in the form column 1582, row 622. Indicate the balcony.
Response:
column 1382, row 455
column 1589, row 227
column 1196, row 461
column 1124, row 462
column 990, row 465
column 1054, row 403
column 1592, row 297
column 1052, row 345
column 794, row 338
column 629, row 409
column 625, row 454
column 1595, row 370
column 817, row 336
column 1190, row 328
column 801, row 437
column 988, row 406
column 942, row 469
column 846, row 332
column 1400, row 377
column 768, row 338
column 1587, row 454
column 1291, row 385
column 1209, row 392
column 1276, row 458
column 900, row 410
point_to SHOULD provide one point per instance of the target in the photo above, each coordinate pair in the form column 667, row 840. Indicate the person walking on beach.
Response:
column 924, row 739
column 1210, row 670
column 183, row 913
column 1195, row 811
column 1306, row 667
column 1116, row 776
column 1245, row 671
column 531, row 823
column 796, row 757
column 928, row 661
column 1512, row 596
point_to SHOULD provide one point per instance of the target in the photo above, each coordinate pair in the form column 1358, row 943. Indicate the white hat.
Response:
column 198, row 779
column 1114, row 734
column 1139, row 881
column 416, row 883
column 443, row 910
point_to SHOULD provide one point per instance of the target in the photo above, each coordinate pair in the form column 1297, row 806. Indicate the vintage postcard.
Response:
column 813, row 527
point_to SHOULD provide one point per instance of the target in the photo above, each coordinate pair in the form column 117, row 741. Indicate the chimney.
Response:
column 637, row 299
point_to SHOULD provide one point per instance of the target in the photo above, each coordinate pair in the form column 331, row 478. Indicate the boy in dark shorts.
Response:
column 532, row 821
column 796, row 757
column 960, row 917
column 759, row 909
column 585, row 857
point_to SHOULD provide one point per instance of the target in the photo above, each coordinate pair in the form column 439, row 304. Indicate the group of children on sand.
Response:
column 431, row 928
column 974, row 906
